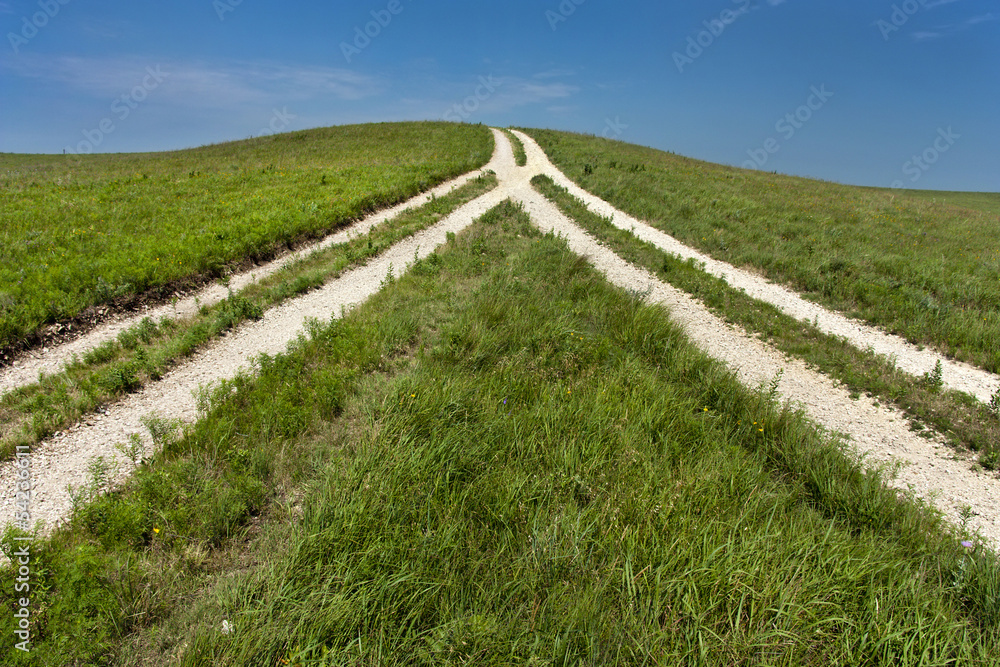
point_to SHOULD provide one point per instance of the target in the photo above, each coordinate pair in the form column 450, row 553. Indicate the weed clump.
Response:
column 934, row 379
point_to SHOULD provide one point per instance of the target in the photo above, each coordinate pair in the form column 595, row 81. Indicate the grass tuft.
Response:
column 520, row 157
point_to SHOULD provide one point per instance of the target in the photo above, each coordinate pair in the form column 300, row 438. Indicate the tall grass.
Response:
column 927, row 271
column 501, row 459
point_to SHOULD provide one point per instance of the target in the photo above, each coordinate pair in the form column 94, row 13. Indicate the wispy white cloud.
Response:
column 980, row 19
column 240, row 95
column 106, row 29
column 198, row 84
column 949, row 29
column 938, row 3
column 525, row 92
column 470, row 98
column 513, row 92
column 554, row 73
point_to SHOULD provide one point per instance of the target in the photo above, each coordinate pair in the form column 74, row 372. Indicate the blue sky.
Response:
column 872, row 92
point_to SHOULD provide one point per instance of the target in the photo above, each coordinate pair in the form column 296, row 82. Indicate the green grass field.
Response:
column 927, row 271
column 500, row 459
column 988, row 202
column 147, row 351
column 967, row 423
column 88, row 230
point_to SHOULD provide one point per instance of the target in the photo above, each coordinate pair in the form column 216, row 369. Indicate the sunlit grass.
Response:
column 147, row 351
column 85, row 230
column 967, row 423
column 988, row 202
column 927, row 271
column 501, row 459
column 520, row 157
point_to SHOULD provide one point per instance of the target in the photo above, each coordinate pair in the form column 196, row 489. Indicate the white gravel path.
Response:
column 955, row 374
column 27, row 367
column 879, row 432
column 64, row 459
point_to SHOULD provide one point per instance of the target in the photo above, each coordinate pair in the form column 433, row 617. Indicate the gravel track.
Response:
column 64, row 459
column 879, row 433
column 955, row 374
column 27, row 367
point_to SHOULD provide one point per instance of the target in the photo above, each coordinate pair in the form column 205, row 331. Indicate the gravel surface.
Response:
column 955, row 374
column 64, row 459
column 27, row 367
column 879, row 433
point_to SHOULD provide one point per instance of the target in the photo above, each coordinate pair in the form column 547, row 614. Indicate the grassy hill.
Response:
column 81, row 231
column 988, row 202
column 928, row 271
column 501, row 459
column 542, row 472
column 147, row 351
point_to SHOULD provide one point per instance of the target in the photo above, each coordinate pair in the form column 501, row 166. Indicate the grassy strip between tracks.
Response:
column 501, row 459
column 966, row 422
column 147, row 351
column 80, row 231
column 927, row 271
column 520, row 157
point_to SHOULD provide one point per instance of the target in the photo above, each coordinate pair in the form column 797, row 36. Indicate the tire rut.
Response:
column 877, row 433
